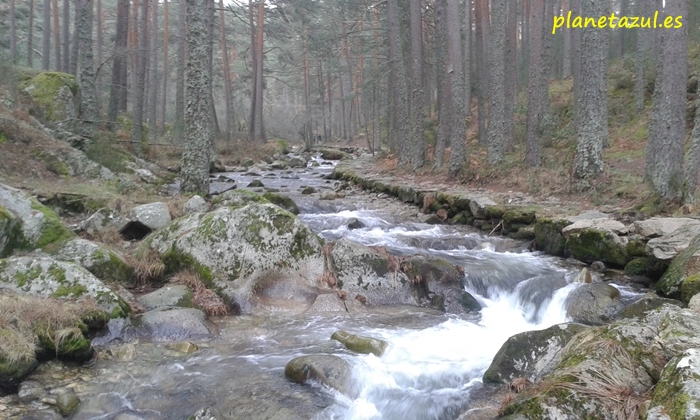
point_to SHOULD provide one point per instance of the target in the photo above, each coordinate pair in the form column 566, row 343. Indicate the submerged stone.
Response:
column 326, row 369
column 360, row 343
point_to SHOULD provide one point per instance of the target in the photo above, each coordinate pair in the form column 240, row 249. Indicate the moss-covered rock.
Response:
column 11, row 237
column 640, row 308
column 237, row 198
column 51, row 96
column 495, row 212
column 531, row 355
column 259, row 256
column 519, row 215
column 326, row 369
column 637, row 267
column 282, row 201
column 17, row 359
column 360, row 343
column 677, row 394
column 548, row 237
column 685, row 265
column 636, row 247
column 593, row 304
column 591, row 245
column 104, row 263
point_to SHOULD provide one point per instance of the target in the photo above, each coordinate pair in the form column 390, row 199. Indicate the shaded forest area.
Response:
column 476, row 91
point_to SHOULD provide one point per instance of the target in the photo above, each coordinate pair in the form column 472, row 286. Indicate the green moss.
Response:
column 591, row 245
column 669, row 393
column 636, row 248
column 11, row 229
column 637, row 267
column 57, row 273
column 112, row 268
column 682, row 266
column 175, row 261
column 282, row 201
column 74, row 291
column 46, row 86
column 495, row 212
column 548, row 236
column 3, row 139
column 53, row 230
column 690, row 287
column 72, row 346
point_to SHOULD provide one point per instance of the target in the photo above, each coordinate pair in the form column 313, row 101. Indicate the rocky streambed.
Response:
column 454, row 308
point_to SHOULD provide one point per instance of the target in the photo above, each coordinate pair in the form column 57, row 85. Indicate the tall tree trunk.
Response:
column 88, row 98
column 140, row 86
column 254, row 66
column 496, row 132
column 57, row 35
column 228, row 89
column 13, row 33
column 73, row 69
column 664, row 151
column 545, row 69
column 417, row 144
column 153, row 78
column 645, row 37
column 692, row 169
column 211, row 19
column 591, row 95
column 481, row 14
column 166, row 70
column 30, row 36
column 100, row 42
column 399, row 86
column 532, row 154
column 622, row 34
column 180, row 77
column 566, row 64
column 458, row 133
column 259, row 127
column 117, row 91
column 444, row 93
column 511, row 72
column 46, row 37
column 467, row 54
column 65, row 42
column 198, row 128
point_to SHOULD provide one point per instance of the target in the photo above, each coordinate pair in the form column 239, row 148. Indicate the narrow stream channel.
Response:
column 434, row 361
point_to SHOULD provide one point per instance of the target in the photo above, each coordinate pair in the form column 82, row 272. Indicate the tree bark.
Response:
column 259, row 127
column 254, row 66
column 140, row 80
column 75, row 49
column 481, row 14
column 645, row 42
column 511, row 72
column 532, row 154
column 566, row 64
column 399, row 86
column 153, row 78
column 88, row 98
column 30, row 36
column 692, row 169
column 444, row 93
column 13, row 33
column 496, row 131
column 57, row 35
column 46, row 37
column 417, row 144
column 592, row 102
column 198, row 128
column 166, row 70
column 65, row 42
column 180, row 77
column 117, row 92
column 100, row 42
column 228, row 89
column 664, row 151
column 458, row 132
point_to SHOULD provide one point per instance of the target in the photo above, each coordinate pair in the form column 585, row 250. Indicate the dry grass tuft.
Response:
column 509, row 398
column 428, row 201
column 148, row 267
column 519, row 385
column 109, row 236
column 175, row 206
column 328, row 276
column 206, row 299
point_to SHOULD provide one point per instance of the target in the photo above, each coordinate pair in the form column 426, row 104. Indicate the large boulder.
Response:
column 50, row 96
column 152, row 215
column 667, row 247
column 593, row 304
column 326, row 369
column 677, row 394
column 43, row 276
column 682, row 278
column 237, row 198
column 478, row 206
column 260, row 256
column 530, row 355
column 593, row 244
column 172, row 324
column 104, row 263
column 196, row 204
column 662, row 226
column 168, row 296
column 39, row 227
column 600, row 224
column 371, row 273
column 548, row 237
column 282, row 201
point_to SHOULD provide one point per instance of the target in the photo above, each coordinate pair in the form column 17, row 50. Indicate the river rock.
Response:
column 354, row 223
column 548, row 237
column 592, row 244
column 102, row 220
column 366, row 271
column 588, row 215
column 694, row 304
column 641, row 307
column 667, row 247
column 260, row 256
column 328, row 195
column 360, row 343
column 186, row 347
column 682, row 279
column 67, row 403
column 30, row 391
column 27, row 224
column 326, row 369
column 196, row 204
column 152, row 215
column 124, row 353
column 43, row 276
column 327, row 302
column 256, row 183
column 478, row 206
column 167, row 296
column 531, row 355
column 236, row 198
column 104, row 263
column 598, row 224
column 678, row 389
column 282, row 201
column 206, row 414
column 593, row 304
column 173, row 324
column 662, row 226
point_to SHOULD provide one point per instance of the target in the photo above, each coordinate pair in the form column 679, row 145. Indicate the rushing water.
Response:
column 434, row 361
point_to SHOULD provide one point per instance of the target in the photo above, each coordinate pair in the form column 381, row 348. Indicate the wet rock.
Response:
column 333, row 154
column 682, row 278
column 667, row 247
column 678, row 390
column 591, row 244
column 308, row 190
column 478, row 205
column 694, row 304
column 43, row 276
column 167, row 296
column 354, row 223
column 593, row 304
column 206, row 414
column 531, row 355
column 326, row 369
column 583, row 277
column 196, row 204
column 30, row 391
column 598, row 265
column 637, row 267
column 104, row 263
column 641, row 307
column 124, row 353
column 152, row 215
column 548, row 237
column 279, row 165
column 327, row 302
column 282, row 201
column 67, row 403
column 237, row 198
column 173, row 324
column 519, row 216
column 27, row 224
column 662, row 226
column 247, row 162
column 360, row 343
column 117, row 329
column 184, row 347
column 328, row 195
column 296, row 162
column 256, row 184
column 597, row 224
column 261, row 256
